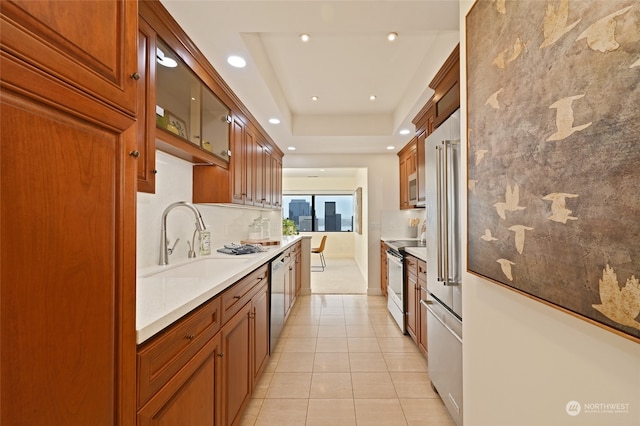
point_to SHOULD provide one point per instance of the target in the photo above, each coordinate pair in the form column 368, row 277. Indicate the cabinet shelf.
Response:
column 178, row 147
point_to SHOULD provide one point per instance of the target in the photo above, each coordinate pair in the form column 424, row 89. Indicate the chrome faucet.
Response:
column 164, row 242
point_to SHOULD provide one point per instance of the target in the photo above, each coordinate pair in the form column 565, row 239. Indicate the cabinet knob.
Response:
column 190, row 336
column 154, row 171
column 135, row 76
column 221, row 354
column 135, row 153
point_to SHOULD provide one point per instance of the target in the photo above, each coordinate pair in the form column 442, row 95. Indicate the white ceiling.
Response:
column 347, row 59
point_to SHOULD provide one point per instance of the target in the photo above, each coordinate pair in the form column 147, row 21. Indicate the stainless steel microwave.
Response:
column 413, row 189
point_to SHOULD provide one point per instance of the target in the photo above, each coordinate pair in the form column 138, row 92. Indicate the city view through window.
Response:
column 319, row 213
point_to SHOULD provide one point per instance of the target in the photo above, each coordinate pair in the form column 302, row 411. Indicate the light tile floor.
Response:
column 342, row 361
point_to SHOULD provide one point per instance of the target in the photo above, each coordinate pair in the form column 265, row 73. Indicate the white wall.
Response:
column 174, row 183
column 524, row 361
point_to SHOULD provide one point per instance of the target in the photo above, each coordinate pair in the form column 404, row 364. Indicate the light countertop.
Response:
column 419, row 252
column 165, row 294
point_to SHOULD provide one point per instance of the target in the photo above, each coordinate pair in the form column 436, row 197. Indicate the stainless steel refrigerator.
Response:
column 444, row 189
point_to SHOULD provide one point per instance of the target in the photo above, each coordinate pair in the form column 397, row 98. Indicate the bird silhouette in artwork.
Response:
column 555, row 25
column 487, row 236
column 635, row 64
column 502, row 59
column 564, row 119
column 559, row 210
column 512, row 198
column 519, row 230
column 501, row 6
column 492, row 100
column 601, row 34
column 505, row 265
column 480, row 155
column 621, row 305
column 472, row 185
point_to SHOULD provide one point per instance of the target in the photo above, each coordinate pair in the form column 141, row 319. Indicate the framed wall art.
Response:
column 554, row 154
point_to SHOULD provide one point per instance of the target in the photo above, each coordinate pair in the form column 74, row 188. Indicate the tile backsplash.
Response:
column 174, row 183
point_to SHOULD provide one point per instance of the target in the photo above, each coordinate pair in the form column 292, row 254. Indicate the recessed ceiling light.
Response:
column 314, row 98
column 390, row 147
column 164, row 60
column 274, row 121
column 372, row 97
column 305, row 37
column 392, row 36
column 291, row 148
column 322, row 170
column 236, row 61
column 404, row 131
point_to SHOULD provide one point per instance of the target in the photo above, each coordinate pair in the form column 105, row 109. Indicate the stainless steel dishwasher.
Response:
column 278, row 272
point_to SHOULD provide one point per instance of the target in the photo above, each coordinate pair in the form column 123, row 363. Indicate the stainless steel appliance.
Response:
column 396, row 285
column 277, row 282
column 412, row 188
column 444, row 287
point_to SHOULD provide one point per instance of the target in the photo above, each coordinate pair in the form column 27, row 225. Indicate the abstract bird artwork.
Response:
column 552, row 161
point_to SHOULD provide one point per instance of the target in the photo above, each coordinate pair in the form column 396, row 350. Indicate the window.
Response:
column 319, row 213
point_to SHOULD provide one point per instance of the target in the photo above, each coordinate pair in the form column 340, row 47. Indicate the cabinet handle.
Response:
column 237, row 297
column 190, row 336
column 154, row 172
column 221, row 354
column 135, row 153
column 135, row 76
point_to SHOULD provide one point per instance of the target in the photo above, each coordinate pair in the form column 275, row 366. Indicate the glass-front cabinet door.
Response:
column 187, row 108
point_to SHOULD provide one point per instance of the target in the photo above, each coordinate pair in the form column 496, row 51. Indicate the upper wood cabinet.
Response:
column 146, row 107
column 408, row 160
column 446, row 96
column 446, row 86
column 67, row 125
column 53, row 37
column 192, row 114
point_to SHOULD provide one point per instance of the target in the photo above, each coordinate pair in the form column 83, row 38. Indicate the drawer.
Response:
column 235, row 297
column 412, row 265
column 162, row 357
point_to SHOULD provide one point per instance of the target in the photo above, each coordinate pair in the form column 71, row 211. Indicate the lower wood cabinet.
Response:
column 260, row 317
column 202, row 369
column 412, row 296
column 191, row 397
column 236, row 366
column 383, row 268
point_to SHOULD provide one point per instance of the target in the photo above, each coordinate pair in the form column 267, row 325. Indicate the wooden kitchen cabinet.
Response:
column 422, row 309
column 412, row 296
column 408, row 160
column 260, row 318
column 237, row 376
column 146, row 108
column 192, row 396
column 67, row 125
column 201, row 370
column 383, row 268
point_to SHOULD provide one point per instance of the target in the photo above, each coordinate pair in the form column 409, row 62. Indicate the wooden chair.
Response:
column 319, row 250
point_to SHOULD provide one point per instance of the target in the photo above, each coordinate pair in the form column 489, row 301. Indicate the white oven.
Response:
column 395, row 287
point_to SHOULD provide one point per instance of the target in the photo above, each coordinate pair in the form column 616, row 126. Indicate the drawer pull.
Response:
column 190, row 336
column 237, row 297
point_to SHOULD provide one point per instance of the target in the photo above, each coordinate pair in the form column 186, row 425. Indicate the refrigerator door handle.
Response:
column 445, row 211
column 439, row 211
